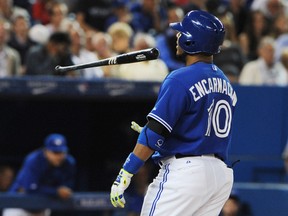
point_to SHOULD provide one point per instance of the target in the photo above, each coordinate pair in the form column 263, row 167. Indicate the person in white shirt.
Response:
column 154, row 70
column 9, row 57
column 264, row 70
column 81, row 55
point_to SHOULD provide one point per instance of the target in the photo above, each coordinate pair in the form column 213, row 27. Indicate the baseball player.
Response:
column 188, row 131
column 49, row 171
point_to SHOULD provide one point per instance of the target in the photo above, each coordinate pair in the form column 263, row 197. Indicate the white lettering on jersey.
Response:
column 211, row 85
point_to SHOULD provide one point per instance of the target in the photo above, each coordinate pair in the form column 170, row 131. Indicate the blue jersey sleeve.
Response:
column 171, row 104
column 29, row 175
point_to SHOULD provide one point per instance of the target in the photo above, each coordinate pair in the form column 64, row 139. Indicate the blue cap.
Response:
column 56, row 143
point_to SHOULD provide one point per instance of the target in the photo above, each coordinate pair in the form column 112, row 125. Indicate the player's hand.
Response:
column 119, row 186
column 136, row 127
column 64, row 192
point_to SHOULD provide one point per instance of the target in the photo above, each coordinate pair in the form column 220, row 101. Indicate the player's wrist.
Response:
column 125, row 173
column 132, row 164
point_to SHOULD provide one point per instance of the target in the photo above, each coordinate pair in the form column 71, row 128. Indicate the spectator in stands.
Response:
column 231, row 58
column 270, row 8
column 263, row 71
column 155, row 70
column 81, row 55
column 58, row 18
column 255, row 29
column 239, row 13
column 9, row 57
column 279, row 26
column 39, row 34
column 41, row 10
column 148, row 16
column 19, row 39
column 49, row 171
column 121, row 34
column 42, row 59
column 92, row 15
column 120, row 13
column 6, row 177
column 166, row 41
column 102, row 43
column 226, row 18
column 6, row 9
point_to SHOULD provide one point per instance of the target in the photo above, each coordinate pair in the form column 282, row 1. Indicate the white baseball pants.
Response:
column 22, row 212
column 189, row 186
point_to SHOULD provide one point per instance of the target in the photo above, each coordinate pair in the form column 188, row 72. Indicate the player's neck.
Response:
column 192, row 59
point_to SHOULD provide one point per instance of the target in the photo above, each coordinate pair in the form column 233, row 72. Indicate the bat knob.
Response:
column 155, row 52
column 57, row 68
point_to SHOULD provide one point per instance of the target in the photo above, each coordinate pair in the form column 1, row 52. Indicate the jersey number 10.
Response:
column 214, row 118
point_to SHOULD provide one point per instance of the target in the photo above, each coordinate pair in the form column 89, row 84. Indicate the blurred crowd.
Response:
column 37, row 35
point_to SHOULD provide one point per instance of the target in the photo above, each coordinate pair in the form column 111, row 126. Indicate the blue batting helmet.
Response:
column 201, row 32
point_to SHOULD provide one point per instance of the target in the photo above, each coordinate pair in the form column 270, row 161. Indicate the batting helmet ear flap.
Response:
column 186, row 41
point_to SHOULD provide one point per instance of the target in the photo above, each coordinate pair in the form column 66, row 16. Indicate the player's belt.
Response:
column 177, row 156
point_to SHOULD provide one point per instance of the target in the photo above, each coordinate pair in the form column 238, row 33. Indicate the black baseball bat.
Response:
column 130, row 57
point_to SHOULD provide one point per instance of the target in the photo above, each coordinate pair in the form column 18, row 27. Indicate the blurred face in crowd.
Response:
column 55, row 158
column 77, row 38
column 120, row 43
column 101, row 44
column 5, row 7
column 274, row 6
column 21, row 27
column 267, row 53
column 57, row 14
column 258, row 22
column 281, row 23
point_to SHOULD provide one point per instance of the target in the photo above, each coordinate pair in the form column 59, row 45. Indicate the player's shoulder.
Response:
column 178, row 72
column 177, row 75
column 34, row 157
column 187, row 74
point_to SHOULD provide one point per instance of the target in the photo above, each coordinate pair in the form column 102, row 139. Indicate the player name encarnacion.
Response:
column 210, row 85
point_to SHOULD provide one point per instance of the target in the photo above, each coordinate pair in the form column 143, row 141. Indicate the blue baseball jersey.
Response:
column 196, row 105
column 38, row 176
